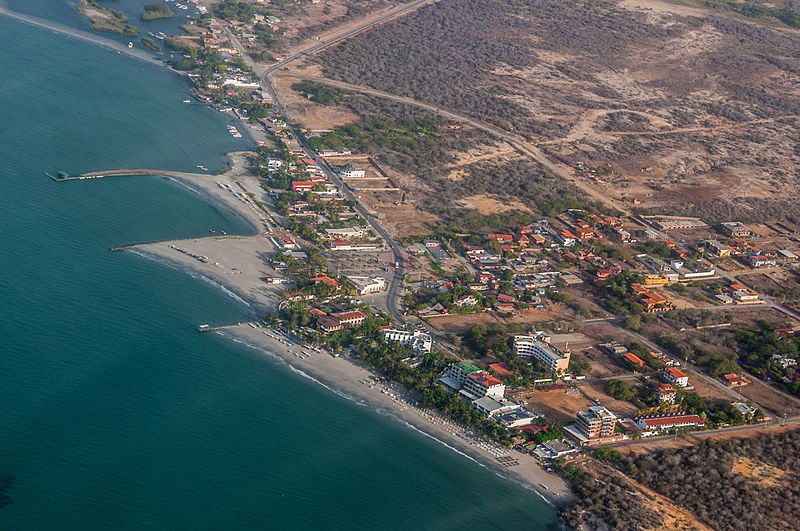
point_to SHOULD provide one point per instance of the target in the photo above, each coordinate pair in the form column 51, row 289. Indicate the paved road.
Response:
column 138, row 53
column 709, row 433
column 397, row 278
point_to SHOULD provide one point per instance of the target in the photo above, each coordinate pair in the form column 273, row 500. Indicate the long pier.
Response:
column 125, row 172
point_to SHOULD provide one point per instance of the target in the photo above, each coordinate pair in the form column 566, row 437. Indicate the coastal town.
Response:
column 588, row 333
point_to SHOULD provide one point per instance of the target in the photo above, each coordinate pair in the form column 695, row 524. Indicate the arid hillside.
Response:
column 694, row 108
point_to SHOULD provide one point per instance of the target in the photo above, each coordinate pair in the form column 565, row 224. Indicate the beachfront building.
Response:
column 456, row 374
column 595, row 423
column 351, row 319
column 534, row 347
column 413, row 339
column 481, row 383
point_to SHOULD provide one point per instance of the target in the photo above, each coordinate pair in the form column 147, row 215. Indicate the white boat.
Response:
column 130, row 45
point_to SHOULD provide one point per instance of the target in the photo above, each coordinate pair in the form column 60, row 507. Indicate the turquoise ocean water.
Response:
column 114, row 412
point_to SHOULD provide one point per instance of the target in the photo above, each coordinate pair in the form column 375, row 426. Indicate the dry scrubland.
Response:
column 727, row 485
column 696, row 113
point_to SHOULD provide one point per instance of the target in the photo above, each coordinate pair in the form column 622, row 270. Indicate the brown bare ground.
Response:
column 766, row 475
column 558, row 405
column 312, row 116
column 596, row 392
column 776, row 401
column 487, row 205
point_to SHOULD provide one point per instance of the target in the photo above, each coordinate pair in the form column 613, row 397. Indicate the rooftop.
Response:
column 484, row 378
column 466, row 367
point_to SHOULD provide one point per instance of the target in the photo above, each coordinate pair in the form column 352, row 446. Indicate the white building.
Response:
column 274, row 164
column 490, row 407
column 350, row 172
column 676, row 377
column 532, row 347
column 366, row 285
column 456, row 374
column 479, row 384
column 416, row 340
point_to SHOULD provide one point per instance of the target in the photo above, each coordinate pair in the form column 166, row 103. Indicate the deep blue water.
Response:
column 115, row 413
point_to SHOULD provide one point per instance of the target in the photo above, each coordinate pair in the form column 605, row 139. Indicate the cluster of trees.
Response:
column 322, row 94
column 758, row 345
column 700, row 478
column 372, row 133
column 788, row 16
column 621, row 390
column 236, row 10
column 155, row 11
column 115, row 23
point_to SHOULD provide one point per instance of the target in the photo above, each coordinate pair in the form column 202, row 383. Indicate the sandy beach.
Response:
column 239, row 264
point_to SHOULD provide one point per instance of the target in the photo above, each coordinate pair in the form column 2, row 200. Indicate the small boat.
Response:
column 212, row 230
column 187, row 101
column 130, row 45
column 223, row 232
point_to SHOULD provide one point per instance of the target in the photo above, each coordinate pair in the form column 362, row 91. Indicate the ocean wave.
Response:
column 383, row 411
column 192, row 273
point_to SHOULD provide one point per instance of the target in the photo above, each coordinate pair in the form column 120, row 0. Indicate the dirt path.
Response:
column 519, row 143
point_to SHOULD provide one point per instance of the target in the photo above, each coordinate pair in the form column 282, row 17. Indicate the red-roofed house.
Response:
column 316, row 311
column 351, row 319
column 303, row 186
column 481, row 383
column 653, row 424
column 328, row 281
column 634, row 360
column 734, row 380
column 500, row 237
column 676, row 376
column 667, row 393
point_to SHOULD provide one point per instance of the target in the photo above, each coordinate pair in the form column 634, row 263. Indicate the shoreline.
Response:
column 236, row 264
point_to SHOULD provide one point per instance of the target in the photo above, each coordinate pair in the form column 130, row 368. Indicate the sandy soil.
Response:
column 312, row 116
column 487, row 205
column 558, row 405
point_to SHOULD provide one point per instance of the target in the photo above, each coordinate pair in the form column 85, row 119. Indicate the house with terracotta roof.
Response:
column 734, row 380
column 328, row 281
column 667, row 393
column 481, row 383
column 634, row 360
column 651, row 425
column 501, row 237
column 675, row 376
column 352, row 319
